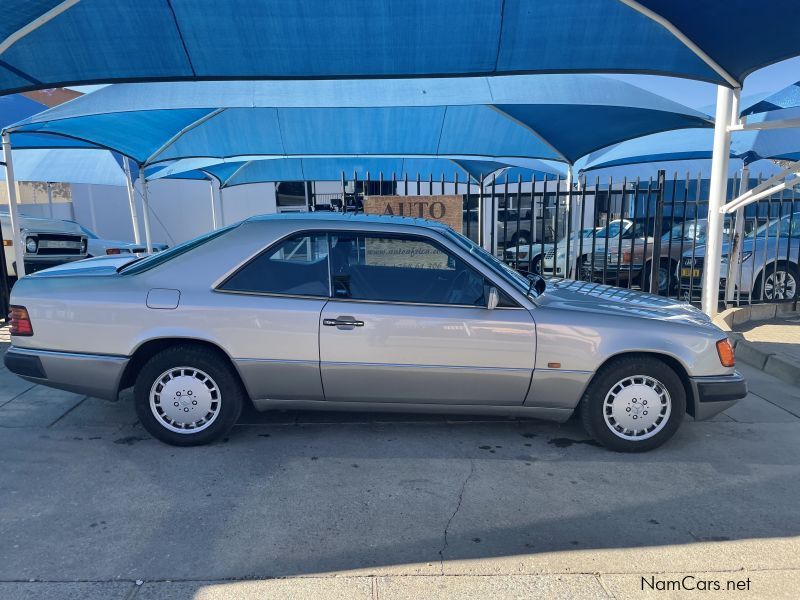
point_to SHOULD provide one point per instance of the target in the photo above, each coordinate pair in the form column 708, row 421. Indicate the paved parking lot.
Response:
column 322, row 505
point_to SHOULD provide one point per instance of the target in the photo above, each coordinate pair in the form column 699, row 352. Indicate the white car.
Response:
column 47, row 243
column 102, row 247
column 521, row 256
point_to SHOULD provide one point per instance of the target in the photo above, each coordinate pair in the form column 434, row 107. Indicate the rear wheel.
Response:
column 634, row 404
column 188, row 395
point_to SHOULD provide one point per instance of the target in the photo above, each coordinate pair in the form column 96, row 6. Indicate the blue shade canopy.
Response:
column 788, row 97
column 697, row 144
column 241, row 172
column 67, row 166
column 556, row 117
column 45, row 43
column 43, row 162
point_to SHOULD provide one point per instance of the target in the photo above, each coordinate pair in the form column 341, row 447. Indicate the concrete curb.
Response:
column 749, row 353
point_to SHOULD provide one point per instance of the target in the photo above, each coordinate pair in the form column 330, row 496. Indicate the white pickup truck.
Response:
column 47, row 243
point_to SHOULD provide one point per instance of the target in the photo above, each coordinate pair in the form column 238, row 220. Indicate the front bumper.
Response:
column 91, row 374
column 714, row 394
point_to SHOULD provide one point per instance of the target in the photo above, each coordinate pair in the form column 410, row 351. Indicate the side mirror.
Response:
column 493, row 298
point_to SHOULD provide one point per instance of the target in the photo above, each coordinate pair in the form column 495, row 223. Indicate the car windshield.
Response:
column 789, row 227
column 148, row 262
column 694, row 230
column 518, row 280
column 612, row 230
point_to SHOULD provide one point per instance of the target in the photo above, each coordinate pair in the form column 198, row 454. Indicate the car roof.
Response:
column 328, row 217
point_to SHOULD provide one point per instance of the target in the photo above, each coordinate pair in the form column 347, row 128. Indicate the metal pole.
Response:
column 655, row 263
column 145, row 211
column 716, row 198
column 222, row 208
column 480, row 215
column 19, row 248
column 126, row 166
column 213, row 205
column 734, row 275
column 50, row 198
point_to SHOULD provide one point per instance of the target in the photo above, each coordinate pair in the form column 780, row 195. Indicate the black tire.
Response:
column 791, row 273
column 592, row 406
column 666, row 276
column 227, row 391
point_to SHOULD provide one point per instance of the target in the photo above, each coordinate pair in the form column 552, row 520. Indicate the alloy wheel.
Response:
column 637, row 407
column 185, row 400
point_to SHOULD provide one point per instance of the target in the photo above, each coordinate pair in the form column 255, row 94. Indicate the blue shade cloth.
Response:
column 67, row 166
column 47, row 157
column 242, row 172
column 106, row 41
column 788, row 97
column 697, row 144
column 555, row 117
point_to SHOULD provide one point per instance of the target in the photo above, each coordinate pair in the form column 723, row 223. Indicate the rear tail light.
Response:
column 113, row 251
column 725, row 351
column 20, row 321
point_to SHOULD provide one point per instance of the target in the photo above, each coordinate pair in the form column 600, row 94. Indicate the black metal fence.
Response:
column 644, row 234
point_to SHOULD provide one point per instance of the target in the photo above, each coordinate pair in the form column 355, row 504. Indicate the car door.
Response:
column 408, row 323
column 271, row 313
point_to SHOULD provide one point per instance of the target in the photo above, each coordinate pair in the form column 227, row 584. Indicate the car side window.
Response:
column 298, row 266
column 390, row 268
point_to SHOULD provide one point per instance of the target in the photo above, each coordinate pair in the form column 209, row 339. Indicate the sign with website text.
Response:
column 445, row 209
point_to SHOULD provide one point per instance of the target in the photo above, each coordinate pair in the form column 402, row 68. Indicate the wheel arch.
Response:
column 674, row 363
column 151, row 347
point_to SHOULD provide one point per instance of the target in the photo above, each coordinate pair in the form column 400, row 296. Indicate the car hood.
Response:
column 43, row 225
column 607, row 300
column 102, row 265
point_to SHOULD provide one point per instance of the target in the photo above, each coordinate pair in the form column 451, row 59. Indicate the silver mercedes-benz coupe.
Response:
column 364, row 313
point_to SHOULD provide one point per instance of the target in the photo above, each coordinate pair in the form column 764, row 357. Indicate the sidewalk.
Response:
column 772, row 345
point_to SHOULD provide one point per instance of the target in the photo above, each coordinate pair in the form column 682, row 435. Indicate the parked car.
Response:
column 613, row 262
column 101, row 247
column 520, row 257
column 770, row 263
column 632, row 259
column 319, row 311
column 47, row 242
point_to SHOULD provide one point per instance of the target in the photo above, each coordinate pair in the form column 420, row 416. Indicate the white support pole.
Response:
column 19, row 247
column 50, row 198
column 716, row 199
column 213, row 205
column 221, row 209
column 126, row 167
column 145, row 211
column 734, row 276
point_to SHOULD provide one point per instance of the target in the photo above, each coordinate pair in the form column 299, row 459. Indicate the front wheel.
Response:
column 634, row 404
column 782, row 283
column 188, row 395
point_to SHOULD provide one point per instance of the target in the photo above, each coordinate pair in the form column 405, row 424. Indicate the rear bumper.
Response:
column 712, row 395
column 91, row 374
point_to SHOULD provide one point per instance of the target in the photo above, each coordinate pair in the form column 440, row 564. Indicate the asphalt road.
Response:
column 326, row 505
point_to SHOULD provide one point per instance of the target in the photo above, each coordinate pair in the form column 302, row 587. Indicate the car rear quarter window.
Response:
column 297, row 266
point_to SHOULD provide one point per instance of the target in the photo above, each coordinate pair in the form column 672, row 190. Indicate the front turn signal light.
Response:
column 725, row 351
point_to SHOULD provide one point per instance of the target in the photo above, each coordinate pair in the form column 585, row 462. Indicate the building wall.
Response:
column 179, row 210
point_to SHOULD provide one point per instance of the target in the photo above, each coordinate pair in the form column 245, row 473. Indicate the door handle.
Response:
column 343, row 322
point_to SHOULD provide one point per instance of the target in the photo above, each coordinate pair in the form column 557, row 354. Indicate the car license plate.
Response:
column 690, row 272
